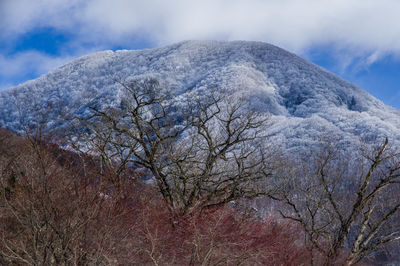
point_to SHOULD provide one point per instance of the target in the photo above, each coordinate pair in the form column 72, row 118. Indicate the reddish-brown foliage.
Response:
column 58, row 208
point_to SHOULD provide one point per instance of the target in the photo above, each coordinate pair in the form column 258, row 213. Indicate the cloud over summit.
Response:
column 357, row 32
column 368, row 25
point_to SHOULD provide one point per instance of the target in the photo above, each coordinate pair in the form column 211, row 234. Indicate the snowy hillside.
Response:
column 306, row 101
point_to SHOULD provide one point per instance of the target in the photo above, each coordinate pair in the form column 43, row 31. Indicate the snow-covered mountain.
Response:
column 305, row 101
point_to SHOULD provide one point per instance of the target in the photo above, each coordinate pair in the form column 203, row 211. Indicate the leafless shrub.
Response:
column 52, row 211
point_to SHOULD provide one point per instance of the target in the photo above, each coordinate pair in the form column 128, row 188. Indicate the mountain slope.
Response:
column 306, row 101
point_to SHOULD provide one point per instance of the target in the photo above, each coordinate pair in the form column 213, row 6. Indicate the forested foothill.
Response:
column 191, row 181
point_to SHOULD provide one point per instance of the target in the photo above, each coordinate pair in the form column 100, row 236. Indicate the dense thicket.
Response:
column 55, row 211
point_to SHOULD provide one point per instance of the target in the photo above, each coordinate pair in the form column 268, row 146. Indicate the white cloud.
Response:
column 370, row 25
column 365, row 30
column 19, row 16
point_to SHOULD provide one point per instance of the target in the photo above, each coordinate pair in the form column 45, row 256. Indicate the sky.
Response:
column 359, row 40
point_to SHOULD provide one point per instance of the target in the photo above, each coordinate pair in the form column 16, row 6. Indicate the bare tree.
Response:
column 346, row 204
column 201, row 151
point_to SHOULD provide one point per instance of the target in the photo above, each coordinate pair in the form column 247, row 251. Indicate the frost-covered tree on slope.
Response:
column 304, row 99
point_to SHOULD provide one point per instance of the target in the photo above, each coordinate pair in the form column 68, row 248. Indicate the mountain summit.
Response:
column 304, row 100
